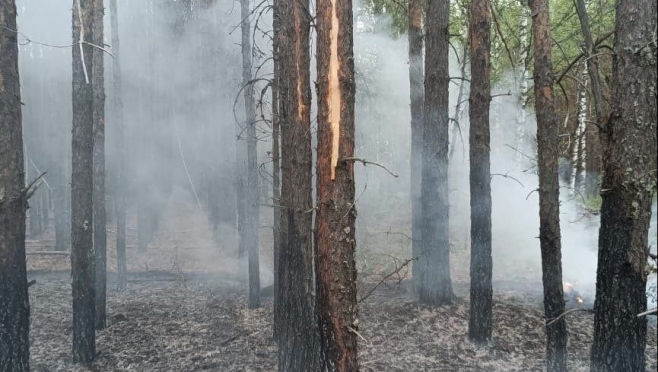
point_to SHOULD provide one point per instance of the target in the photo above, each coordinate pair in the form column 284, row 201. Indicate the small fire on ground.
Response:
column 571, row 295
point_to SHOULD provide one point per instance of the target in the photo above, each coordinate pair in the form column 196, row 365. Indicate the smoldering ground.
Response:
column 185, row 306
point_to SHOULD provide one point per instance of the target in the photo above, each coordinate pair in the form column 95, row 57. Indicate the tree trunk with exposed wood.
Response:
column 298, row 330
column 336, row 213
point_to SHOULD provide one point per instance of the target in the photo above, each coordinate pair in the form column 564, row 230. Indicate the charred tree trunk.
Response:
column 120, row 200
column 481, row 312
column 100, row 234
column 14, row 301
column 593, row 141
column 629, row 182
column 82, row 186
column 436, row 288
column 298, row 331
column 335, row 236
column 417, row 96
column 251, row 206
column 549, row 193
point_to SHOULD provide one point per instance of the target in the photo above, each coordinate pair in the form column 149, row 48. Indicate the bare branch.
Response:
column 366, row 162
column 397, row 270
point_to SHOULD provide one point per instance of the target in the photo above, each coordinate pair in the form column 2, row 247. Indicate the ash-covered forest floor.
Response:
column 185, row 310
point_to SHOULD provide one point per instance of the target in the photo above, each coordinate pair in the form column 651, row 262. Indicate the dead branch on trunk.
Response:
column 366, row 162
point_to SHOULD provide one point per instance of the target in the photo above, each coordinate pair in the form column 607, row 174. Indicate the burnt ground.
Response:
column 185, row 310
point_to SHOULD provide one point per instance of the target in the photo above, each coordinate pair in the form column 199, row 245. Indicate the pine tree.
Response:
column 14, row 301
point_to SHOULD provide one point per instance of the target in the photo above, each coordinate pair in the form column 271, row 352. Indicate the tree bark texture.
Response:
column 629, row 182
column 336, row 213
column 436, row 288
column 14, row 301
column 251, row 206
column 481, row 311
column 100, row 234
column 549, row 193
column 120, row 199
column 298, row 330
column 82, row 216
column 417, row 96
column 276, row 161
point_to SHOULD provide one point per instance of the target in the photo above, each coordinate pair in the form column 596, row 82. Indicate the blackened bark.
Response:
column 298, row 330
column 417, row 97
column 335, row 234
column 629, row 182
column 82, row 250
column 481, row 311
column 436, row 288
column 549, row 195
column 251, row 206
column 14, row 301
column 100, row 234
column 120, row 199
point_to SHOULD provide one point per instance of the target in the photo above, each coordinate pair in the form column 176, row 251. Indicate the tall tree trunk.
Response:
column 522, row 76
column 276, row 162
column 250, row 232
column 549, row 192
column 436, row 288
column 120, row 199
column 481, row 312
column 593, row 165
column 629, row 182
column 82, row 185
column 459, row 107
column 100, row 234
column 579, row 163
column 335, row 234
column 298, row 331
column 417, row 96
column 14, row 301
